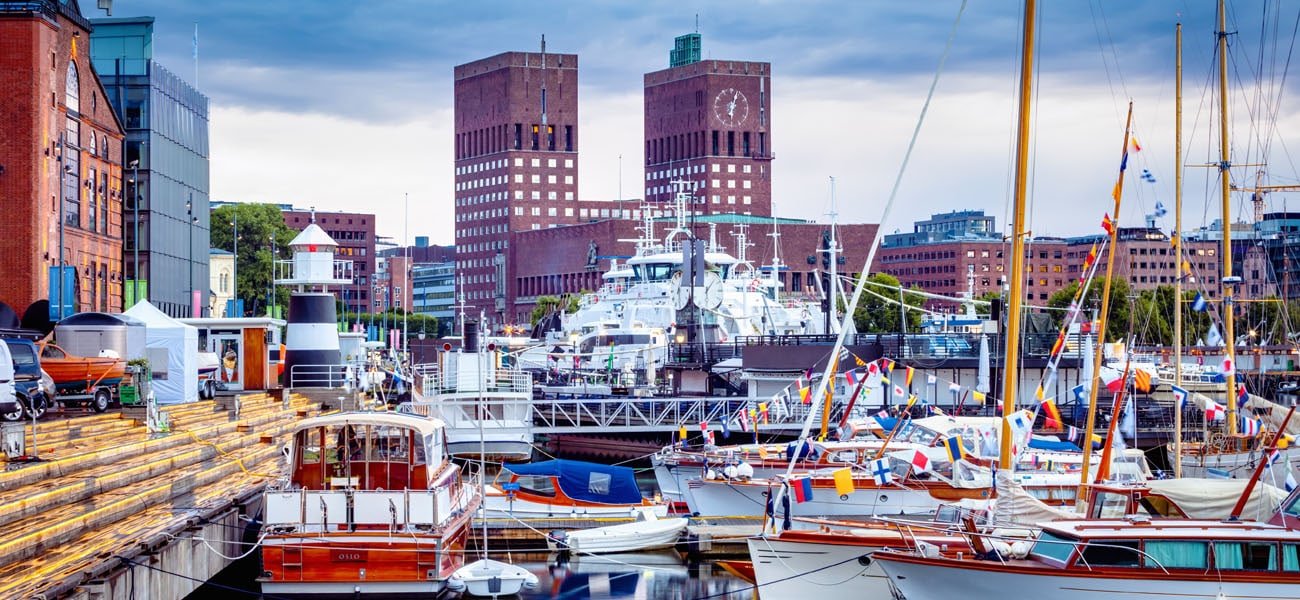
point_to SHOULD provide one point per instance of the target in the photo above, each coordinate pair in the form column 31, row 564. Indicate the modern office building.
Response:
column 60, row 165
column 516, row 163
column 434, row 287
column 165, row 168
column 955, row 225
column 709, row 122
column 355, row 235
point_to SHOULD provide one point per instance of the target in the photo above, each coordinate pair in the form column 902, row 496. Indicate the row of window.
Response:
column 500, row 138
column 676, row 172
column 1176, row 554
column 501, row 163
column 698, row 144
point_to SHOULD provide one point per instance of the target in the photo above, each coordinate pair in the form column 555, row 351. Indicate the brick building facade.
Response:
column 61, row 158
column 709, row 123
column 516, row 163
column 1146, row 259
column 355, row 234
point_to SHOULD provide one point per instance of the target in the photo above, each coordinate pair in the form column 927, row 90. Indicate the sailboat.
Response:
column 487, row 577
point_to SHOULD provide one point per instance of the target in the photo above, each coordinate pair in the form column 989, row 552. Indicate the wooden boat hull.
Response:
column 945, row 579
column 321, row 565
column 77, row 373
column 500, row 504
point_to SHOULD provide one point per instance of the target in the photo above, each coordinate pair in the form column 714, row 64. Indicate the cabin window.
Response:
column 1293, row 507
column 1052, row 546
column 1112, row 553
column 1249, row 556
column 598, row 483
column 1160, row 506
column 309, row 444
column 1172, row 554
column 540, row 486
column 390, row 444
column 1110, row 506
column 1291, row 558
column 52, row 352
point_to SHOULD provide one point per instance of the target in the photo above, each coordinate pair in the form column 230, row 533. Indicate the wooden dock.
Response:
column 112, row 511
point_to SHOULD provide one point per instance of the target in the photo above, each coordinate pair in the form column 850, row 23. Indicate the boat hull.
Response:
column 1239, row 465
column 339, row 563
column 789, row 570
column 945, row 580
column 501, row 505
column 730, row 498
column 628, row 537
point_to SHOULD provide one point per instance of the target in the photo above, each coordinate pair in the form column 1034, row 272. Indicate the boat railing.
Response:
column 318, row 376
column 433, row 381
column 323, row 510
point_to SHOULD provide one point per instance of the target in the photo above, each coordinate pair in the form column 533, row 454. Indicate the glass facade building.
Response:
column 434, row 287
column 165, row 168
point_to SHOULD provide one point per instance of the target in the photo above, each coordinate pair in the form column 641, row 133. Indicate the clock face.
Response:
column 731, row 107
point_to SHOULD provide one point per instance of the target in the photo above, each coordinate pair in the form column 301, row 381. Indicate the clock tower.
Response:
column 708, row 122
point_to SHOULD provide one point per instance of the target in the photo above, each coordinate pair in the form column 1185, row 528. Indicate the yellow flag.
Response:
column 762, row 452
column 843, row 481
column 1039, row 392
column 978, row 396
column 1114, row 193
column 911, row 401
column 859, row 361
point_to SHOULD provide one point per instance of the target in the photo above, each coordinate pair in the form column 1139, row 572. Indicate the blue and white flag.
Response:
column 880, row 471
column 1180, row 396
column 1199, row 304
column 1079, row 395
column 1160, row 209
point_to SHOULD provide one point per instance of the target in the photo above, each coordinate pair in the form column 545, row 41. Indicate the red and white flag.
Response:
column 1215, row 411
column 1227, row 366
column 1112, row 379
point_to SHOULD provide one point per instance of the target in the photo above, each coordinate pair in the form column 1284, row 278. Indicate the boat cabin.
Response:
column 1213, row 548
column 366, row 451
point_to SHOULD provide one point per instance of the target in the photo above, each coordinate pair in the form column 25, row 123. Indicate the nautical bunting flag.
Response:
column 1250, row 427
column 851, row 377
column 1111, row 379
column 879, row 470
column 1075, row 434
column 934, row 411
column 1241, row 395
column 883, row 414
column 1051, row 415
column 726, row 428
column 1227, row 368
column 954, row 448
column 843, row 481
column 1021, row 422
column 978, row 397
column 954, row 387
column 1142, row 381
column 1180, row 396
column 1199, row 304
column 1133, row 141
column 931, row 379
column 910, row 373
column 805, row 393
column 762, row 411
column 1214, row 411
column 1160, row 208
column 1038, row 393
column 858, row 361
column 801, row 489
column 917, row 459
column 704, row 426
column 744, row 419
column 899, row 391
column 1078, row 392
column 681, row 433
column 1106, row 223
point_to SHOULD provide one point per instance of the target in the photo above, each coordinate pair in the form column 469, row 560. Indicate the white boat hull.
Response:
column 487, row 578
column 724, row 498
column 792, row 570
column 628, row 537
column 937, row 581
column 1240, row 465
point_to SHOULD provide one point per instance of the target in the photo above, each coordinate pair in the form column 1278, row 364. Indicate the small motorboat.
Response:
column 648, row 534
column 567, row 488
column 487, row 578
column 76, row 374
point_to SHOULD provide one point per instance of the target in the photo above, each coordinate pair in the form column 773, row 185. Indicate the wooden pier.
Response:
column 113, row 512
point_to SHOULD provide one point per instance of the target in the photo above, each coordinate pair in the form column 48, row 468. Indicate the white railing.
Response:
column 318, row 376
column 433, row 380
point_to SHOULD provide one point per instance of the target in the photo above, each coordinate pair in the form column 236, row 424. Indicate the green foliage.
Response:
column 416, row 323
column 877, row 315
column 1118, row 321
column 263, row 236
column 549, row 304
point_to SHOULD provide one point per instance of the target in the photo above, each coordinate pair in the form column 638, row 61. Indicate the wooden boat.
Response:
column 372, row 506
column 741, row 569
column 565, row 488
column 649, row 534
column 73, row 374
column 1131, row 558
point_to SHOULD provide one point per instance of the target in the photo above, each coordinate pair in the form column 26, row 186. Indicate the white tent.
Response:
column 173, row 351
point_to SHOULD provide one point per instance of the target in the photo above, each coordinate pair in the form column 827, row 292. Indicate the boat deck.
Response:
column 107, row 492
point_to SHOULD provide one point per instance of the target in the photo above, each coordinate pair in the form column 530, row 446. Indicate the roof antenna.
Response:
column 543, row 79
column 313, row 214
column 697, row 22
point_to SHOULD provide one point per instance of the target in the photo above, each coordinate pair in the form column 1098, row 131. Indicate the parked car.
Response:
column 32, row 387
column 9, row 404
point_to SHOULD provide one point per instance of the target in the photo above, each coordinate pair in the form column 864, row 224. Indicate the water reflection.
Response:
column 642, row 576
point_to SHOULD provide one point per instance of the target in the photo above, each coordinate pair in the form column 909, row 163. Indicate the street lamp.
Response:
column 135, row 216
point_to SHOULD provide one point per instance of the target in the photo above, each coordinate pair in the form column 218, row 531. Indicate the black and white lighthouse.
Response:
column 312, row 336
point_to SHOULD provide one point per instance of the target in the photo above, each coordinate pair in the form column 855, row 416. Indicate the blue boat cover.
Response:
column 887, row 423
column 589, row 482
column 1053, row 445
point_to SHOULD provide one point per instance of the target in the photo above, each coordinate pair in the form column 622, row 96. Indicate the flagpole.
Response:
column 1178, row 247
column 1229, row 339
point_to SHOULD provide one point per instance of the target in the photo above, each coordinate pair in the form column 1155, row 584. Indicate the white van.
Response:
column 8, row 399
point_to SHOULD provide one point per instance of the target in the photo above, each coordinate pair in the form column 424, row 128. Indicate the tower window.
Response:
column 715, row 142
column 746, row 143
column 535, row 136
column 550, row 137
column 519, row 134
column 731, row 143
column 568, row 138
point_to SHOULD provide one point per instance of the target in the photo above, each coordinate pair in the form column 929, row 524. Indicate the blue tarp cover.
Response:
column 1054, row 445
column 589, row 482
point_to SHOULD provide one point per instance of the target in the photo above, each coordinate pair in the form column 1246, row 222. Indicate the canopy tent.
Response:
column 589, row 482
column 173, row 351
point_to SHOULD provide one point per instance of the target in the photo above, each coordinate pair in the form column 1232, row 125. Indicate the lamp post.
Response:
column 135, row 217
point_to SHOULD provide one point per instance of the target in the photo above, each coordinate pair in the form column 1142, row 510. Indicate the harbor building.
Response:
column 708, row 122
column 221, row 282
column 165, row 168
column 60, row 164
column 355, row 235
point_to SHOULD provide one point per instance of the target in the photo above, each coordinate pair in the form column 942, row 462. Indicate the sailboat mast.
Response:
column 1010, row 373
column 1103, row 322
column 1178, row 245
column 1229, row 339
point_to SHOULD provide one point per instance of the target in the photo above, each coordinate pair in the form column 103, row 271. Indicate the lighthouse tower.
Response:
column 312, row 336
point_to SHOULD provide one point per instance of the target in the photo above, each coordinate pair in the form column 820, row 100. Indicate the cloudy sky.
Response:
column 347, row 105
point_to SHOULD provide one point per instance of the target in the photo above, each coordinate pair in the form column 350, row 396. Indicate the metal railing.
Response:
column 318, row 376
column 433, row 380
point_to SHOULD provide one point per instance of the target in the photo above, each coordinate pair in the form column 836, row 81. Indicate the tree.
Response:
column 545, row 306
column 1118, row 320
column 263, row 236
column 877, row 315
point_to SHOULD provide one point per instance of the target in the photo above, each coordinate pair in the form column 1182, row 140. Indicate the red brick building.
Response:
column 952, row 267
column 1146, row 259
column 60, row 157
column 355, row 234
column 516, row 153
column 709, row 123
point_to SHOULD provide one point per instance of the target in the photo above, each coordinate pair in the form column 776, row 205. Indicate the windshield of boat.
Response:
column 911, row 432
column 52, row 352
column 1110, row 505
column 655, row 271
column 1053, row 547
column 1292, row 509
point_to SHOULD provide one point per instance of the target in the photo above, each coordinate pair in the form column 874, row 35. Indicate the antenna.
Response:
column 543, row 79
column 313, row 214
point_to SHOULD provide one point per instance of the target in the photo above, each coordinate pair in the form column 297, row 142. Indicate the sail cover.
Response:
column 589, row 482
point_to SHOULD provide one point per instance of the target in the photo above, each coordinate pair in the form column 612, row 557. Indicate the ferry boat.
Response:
column 480, row 397
column 372, row 505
